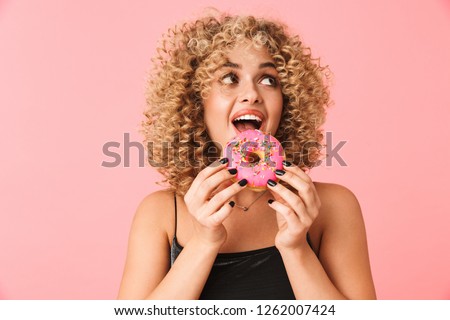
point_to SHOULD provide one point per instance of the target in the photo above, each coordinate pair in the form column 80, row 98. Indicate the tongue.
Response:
column 245, row 125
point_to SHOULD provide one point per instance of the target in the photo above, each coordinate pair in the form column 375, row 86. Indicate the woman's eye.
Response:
column 269, row 81
column 229, row 78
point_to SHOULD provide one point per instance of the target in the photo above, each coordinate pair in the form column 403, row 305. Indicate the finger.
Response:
column 225, row 195
column 305, row 189
column 219, row 216
column 287, row 213
column 293, row 200
column 212, row 183
column 276, row 196
column 216, row 166
column 289, row 167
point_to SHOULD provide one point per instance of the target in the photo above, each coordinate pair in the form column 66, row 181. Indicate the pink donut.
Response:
column 256, row 156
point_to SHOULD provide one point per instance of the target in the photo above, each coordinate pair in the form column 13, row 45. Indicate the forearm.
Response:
column 308, row 278
column 187, row 277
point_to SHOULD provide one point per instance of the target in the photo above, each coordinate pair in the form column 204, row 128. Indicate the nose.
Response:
column 250, row 94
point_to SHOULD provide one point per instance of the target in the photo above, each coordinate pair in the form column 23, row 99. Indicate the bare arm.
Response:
column 147, row 273
column 342, row 270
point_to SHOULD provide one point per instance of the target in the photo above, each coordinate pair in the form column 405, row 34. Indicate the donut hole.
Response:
column 253, row 158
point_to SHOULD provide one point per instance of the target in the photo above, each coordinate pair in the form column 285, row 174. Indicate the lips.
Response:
column 247, row 120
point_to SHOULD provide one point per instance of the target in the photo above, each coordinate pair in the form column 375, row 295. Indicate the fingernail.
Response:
column 223, row 160
column 231, row 203
column 232, row 171
column 287, row 163
column 271, row 183
column 270, row 201
column 243, row 182
column 279, row 172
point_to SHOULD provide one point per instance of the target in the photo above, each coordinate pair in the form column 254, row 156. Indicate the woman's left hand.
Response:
column 296, row 212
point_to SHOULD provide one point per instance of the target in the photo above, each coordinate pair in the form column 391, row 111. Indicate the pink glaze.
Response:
column 256, row 156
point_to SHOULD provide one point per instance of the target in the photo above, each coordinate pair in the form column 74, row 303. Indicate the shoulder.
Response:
column 336, row 191
column 343, row 250
column 332, row 194
column 155, row 211
column 339, row 205
column 148, row 246
column 157, row 200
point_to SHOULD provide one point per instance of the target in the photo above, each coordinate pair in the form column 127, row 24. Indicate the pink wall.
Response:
column 72, row 77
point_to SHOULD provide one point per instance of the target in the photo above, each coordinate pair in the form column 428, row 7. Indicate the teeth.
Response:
column 248, row 117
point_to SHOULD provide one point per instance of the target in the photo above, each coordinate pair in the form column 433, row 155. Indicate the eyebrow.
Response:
column 261, row 66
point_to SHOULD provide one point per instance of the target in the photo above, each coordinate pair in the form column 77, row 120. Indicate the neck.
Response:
column 247, row 198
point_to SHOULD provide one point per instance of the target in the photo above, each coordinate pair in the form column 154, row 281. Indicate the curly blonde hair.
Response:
column 174, row 131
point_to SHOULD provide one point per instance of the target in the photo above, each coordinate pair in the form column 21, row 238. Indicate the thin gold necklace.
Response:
column 246, row 208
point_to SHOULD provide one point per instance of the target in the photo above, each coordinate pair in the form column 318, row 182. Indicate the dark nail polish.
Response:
column 280, row 172
column 270, row 201
column 223, row 160
column 243, row 182
column 232, row 171
column 231, row 203
column 271, row 183
column 287, row 163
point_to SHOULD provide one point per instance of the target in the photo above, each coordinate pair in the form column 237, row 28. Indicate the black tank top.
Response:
column 250, row 275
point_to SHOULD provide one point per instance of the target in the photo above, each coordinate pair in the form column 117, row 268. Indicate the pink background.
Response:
column 72, row 76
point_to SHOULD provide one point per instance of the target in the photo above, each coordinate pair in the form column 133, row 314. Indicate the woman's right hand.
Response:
column 210, row 210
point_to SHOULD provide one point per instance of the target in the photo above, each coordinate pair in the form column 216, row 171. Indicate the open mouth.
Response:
column 247, row 122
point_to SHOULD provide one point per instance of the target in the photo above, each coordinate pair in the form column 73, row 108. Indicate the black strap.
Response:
column 175, row 201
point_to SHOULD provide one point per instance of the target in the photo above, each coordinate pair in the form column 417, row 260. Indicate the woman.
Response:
column 298, row 240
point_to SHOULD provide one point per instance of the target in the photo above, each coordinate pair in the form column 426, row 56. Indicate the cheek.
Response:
column 275, row 112
column 212, row 113
column 215, row 116
column 216, row 108
column 277, row 106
